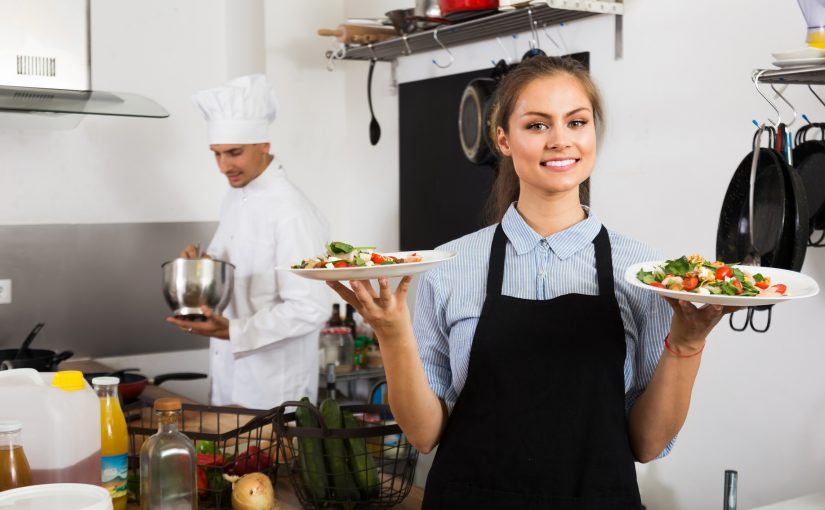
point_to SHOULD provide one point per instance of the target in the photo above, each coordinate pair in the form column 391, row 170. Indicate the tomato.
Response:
column 341, row 263
column 656, row 284
column 376, row 258
column 690, row 282
column 203, row 482
column 762, row 285
column 724, row 272
column 736, row 284
column 252, row 460
column 780, row 288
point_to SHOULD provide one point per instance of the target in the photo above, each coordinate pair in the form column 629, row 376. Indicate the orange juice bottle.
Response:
column 114, row 441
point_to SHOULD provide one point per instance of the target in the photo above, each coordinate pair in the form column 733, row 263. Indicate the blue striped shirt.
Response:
column 450, row 296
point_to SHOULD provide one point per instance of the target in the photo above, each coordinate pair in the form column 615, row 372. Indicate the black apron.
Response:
column 540, row 422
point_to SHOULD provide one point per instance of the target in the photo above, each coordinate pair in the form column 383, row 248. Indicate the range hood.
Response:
column 45, row 63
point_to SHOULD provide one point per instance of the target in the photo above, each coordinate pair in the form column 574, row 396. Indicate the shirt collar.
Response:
column 564, row 243
column 272, row 172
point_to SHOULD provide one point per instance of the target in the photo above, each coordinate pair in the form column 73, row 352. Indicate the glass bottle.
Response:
column 114, row 441
column 349, row 320
column 335, row 319
column 14, row 467
column 168, row 463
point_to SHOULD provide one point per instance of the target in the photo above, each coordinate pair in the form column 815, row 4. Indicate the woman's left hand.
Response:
column 691, row 325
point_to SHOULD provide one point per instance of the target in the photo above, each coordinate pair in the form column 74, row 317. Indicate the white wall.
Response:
column 679, row 107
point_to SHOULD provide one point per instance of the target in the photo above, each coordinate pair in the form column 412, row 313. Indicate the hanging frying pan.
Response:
column 734, row 242
column 794, row 242
column 809, row 161
column 474, row 116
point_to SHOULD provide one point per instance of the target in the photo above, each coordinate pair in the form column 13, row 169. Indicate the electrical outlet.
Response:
column 5, row 291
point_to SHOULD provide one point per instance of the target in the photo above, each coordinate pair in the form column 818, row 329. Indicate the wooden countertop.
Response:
column 283, row 489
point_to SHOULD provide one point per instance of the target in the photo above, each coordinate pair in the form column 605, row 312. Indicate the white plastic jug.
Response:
column 56, row 496
column 60, row 414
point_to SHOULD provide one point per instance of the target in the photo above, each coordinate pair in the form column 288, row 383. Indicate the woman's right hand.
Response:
column 385, row 311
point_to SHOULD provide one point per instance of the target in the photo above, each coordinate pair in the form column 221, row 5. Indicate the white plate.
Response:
column 799, row 286
column 799, row 62
column 806, row 52
column 430, row 259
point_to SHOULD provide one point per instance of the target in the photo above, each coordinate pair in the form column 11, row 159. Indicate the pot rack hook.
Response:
column 816, row 95
column 779, row 94
column 406, row 44
column 332, row 56
column 372, row 50
column 547, row 34
column 755, row 79
column 507, row 56
column 452, row 59
column 534, row 40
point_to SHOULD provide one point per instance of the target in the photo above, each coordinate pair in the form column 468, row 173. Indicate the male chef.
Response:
column 264, row 349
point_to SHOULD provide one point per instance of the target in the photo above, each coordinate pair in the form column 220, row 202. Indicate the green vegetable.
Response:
column 341, row 479
column 207, row 447
column 677, row 267
column 645, row 276
column 311, row 456
column 360, row 460
column 338, row 248
column 758, row 277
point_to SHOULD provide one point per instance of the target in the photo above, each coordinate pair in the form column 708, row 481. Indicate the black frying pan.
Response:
column 809, row 160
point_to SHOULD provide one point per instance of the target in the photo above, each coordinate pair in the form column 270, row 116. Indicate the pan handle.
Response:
column 63, row 356
column 180, row 376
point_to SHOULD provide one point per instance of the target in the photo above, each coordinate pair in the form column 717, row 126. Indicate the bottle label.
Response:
column 114, row 472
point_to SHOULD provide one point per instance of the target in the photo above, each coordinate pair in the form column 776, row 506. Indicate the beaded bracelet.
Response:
column 669, row 348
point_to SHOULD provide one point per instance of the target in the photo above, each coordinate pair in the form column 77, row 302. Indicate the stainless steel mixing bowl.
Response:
column 190, row 283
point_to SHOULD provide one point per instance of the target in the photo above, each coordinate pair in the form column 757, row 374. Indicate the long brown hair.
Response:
column 506, row 186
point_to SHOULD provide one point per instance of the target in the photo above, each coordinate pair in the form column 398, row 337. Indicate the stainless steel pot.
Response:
column 190, row 283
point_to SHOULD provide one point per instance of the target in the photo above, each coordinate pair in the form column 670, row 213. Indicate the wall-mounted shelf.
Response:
column 544, row 13
column 812, row 75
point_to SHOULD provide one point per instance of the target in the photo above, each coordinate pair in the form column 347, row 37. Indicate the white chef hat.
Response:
column 239, row 111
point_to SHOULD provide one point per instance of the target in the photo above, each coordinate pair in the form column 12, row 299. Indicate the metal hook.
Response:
column 816, row 95
column 547, row 34
column 452, row 59
column 407, row 44
column 507, row 56
column 787, row 103
column 755, row 79
column 534, row 41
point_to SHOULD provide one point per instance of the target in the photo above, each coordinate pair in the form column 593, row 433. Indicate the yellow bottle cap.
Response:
column 69, row 380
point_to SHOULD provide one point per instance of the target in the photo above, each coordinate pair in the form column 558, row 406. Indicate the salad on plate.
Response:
column 343, row 255
column 698, row 275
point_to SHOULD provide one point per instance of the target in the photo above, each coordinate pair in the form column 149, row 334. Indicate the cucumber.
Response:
column 360, row 460
column 311, row 456
column 341, row 480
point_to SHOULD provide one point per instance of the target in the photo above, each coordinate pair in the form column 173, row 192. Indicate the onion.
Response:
column 252, row 492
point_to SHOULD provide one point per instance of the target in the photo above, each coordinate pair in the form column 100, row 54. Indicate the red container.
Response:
column 451, row 6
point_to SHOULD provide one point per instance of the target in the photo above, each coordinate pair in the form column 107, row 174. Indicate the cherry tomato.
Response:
column 340, row 263
column 780, row 288
column 376, row 258
column 736, row 284
column 762, row 285
column 656, row 284
column 690, row 282
column 724, row 272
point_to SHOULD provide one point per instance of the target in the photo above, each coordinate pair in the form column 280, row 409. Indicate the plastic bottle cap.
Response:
column 10, row 426
column 167, row 404
column 69, row 380
column 105, row 381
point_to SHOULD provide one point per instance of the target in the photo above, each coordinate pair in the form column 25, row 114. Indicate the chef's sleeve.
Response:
column 300, row 305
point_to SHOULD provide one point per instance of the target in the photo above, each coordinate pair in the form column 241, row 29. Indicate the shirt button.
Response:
column 541, row 273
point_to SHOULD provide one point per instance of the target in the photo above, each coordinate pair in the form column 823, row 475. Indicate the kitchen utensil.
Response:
column 132, row 385
column 190, row 283
column 42, row 360
column 23, row 351
column 474, row 116
column 358, row 34
column 427, row 8
column 403, row 20
column 809, row 160
column 375, row 129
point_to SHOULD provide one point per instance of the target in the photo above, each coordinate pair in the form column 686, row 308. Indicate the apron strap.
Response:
column 604, row 264
column 495, row 275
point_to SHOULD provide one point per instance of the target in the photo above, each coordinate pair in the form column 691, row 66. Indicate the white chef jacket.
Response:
column 274, row 316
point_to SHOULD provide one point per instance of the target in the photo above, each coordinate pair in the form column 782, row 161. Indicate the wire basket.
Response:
column 229, row 440
column 377, row 455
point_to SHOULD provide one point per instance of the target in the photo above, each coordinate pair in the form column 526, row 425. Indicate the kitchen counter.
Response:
column 283, row 489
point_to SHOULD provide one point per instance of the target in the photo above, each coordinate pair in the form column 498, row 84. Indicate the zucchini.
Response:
column 341, row 481
column 311, row 456
column 360, row 460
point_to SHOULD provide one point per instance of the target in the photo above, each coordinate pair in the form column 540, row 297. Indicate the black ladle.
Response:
column 27, row 342
column 375, row 129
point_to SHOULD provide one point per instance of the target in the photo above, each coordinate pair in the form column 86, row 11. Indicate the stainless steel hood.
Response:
column 45, row 63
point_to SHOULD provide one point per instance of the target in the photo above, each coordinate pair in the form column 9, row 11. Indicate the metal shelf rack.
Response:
column 539, row 14
column 810, row 75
